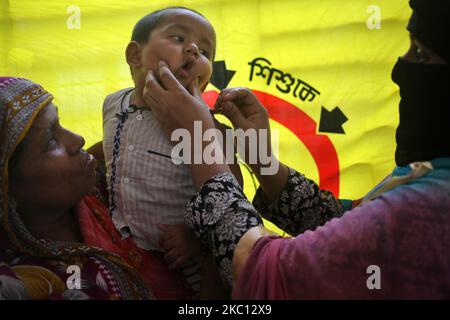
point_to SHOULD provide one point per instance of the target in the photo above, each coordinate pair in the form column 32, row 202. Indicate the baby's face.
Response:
column 186, row 41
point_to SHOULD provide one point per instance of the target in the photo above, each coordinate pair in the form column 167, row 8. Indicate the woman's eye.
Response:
column 52, row 143
column 421, row 56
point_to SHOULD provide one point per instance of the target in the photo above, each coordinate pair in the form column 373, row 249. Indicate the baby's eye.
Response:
column 177, row 38
column 205, row 53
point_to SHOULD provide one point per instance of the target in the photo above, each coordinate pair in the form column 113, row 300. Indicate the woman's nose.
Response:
column 76, row 142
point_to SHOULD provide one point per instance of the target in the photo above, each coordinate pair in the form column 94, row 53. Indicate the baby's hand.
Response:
column 179, row 244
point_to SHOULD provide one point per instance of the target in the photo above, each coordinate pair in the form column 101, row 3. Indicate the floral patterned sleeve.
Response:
column 220, row 214
column 301, row 206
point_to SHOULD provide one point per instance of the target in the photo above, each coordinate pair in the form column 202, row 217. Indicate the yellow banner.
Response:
column 322, row 67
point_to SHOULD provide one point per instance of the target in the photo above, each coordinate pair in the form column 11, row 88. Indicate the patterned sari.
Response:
column 23, row 276
column 105, row 267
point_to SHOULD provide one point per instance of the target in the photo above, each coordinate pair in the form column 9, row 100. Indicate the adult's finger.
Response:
column 219, row 100
column 194, row 90
column 231, row 111
column 152, row 84
column 167, row 78
column 152, row 90
column 236, row 94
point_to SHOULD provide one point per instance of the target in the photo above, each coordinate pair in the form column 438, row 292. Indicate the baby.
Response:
column 148, row 192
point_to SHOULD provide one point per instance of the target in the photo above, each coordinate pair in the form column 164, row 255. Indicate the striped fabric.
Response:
column 146, row 188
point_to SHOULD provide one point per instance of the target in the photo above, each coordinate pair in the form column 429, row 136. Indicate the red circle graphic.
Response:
column 305, row 129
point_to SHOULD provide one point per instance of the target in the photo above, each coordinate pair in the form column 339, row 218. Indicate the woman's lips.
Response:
column 91, row 162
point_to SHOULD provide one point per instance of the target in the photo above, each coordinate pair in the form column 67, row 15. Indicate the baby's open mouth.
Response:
column 184, row 72
column 187, row 65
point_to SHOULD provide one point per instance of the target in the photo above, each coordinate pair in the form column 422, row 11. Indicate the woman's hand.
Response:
column 174, row 107
column 245, row 112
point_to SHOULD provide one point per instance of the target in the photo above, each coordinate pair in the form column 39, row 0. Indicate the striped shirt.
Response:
column 146, row 188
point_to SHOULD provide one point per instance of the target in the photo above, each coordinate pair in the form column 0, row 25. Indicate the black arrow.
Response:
column 332, row 121
column 221, row 77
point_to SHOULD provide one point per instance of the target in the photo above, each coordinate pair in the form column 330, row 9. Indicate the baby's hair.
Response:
column 148, row 23
column 144, row 27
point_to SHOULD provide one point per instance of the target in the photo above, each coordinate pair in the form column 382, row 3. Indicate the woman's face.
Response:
column 419, row 53
column 50, row 171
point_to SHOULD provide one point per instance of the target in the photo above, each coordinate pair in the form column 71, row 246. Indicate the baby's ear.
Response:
column 133, row 54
